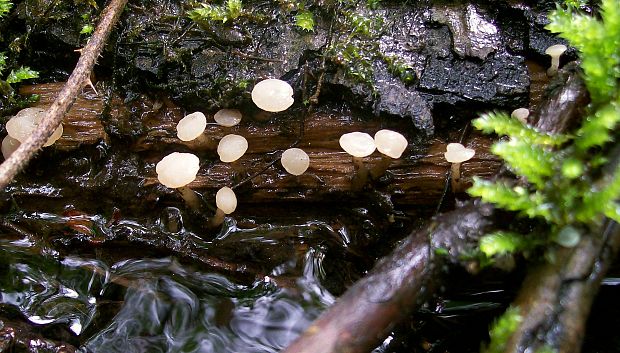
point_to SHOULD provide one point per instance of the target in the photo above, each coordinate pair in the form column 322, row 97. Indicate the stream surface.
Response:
column 156, row 304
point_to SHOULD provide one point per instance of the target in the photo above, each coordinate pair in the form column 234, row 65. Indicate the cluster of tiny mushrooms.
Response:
column 177, row 169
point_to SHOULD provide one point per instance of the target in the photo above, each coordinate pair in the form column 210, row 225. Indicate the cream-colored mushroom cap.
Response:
column 357, row 144
column 227, row 117
column 295, row 161
column 273, row 95
column 232, row 147
column 226, row 200
column 191, row 126
column 390, row 143
column 177, row 169
column 556, row 50
column 521, row 114
column 457, row 153
column 25, row 122
column 9, row 145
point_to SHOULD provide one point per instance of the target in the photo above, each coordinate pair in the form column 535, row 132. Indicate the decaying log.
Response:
column 82, row 123
column 334, row 332
column 22, row 155
column 415, row 179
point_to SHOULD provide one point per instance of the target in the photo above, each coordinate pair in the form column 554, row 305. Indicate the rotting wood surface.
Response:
column 416, row 179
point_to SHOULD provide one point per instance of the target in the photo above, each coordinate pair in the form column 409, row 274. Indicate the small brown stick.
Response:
column 79, row 77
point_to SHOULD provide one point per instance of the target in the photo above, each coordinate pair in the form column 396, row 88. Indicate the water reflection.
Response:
column 159, row 305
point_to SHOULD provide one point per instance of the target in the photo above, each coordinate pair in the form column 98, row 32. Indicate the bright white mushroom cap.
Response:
column 232, row 147
column 390, row 143
column 9, row 145
column 226, row 200
column 295, row 161
column 556, row 50
column 273, row 95
column 521, row 114
column 25, row 122
column 457, row 153
column 177, row 169
column 357, row 144
column 227, row 117
column 191, row 126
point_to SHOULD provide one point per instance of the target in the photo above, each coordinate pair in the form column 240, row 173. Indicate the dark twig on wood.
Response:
column 80, row 75
column 556, row 297
column 363, row 316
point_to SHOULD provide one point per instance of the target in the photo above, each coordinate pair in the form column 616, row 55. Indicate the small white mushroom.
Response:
column 191, row 126
column 555, row 51
column 295, row 161
column 227, row 117
column 359, row 145
column 232, row 147
column 391, row 145
column 273, row 95
column 9, row 145
column 457, row 154
column 226, row 202
column 25, row 122
column 176, row 171
column 521, row 114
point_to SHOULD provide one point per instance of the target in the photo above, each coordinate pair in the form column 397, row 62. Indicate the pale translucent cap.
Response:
column 357, row 144
column 390, row 143
column 232, row 147
column 295, row 161
column 226, row 200
column 9, row 145
column 457, row 153
column 273, row 95
column 227, row 117
column 177, row 169
column 556, row 50
column 521, row 114
column 191, row 126
column 24, row 123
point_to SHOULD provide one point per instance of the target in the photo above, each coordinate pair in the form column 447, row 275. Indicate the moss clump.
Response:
column 570, row 186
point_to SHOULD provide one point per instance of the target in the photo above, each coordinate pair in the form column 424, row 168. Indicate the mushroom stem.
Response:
column 190, row 197
column 555, row 64
column 361, row 175
column 379, row 169
column 202, row 142
column 455, row 177
column 218, row 218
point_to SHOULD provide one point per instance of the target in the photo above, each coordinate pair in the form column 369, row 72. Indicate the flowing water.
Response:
column 158, row 304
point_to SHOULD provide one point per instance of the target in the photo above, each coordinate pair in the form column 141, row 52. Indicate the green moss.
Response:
column 5, row 7
column 502, row 329
column 569, row 183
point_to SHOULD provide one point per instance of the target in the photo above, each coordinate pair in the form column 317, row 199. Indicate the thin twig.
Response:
column 20, row 158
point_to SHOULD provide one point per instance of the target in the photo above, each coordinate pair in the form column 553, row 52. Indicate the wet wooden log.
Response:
column 360, row 319
column 415, row 179
column 81, row 124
